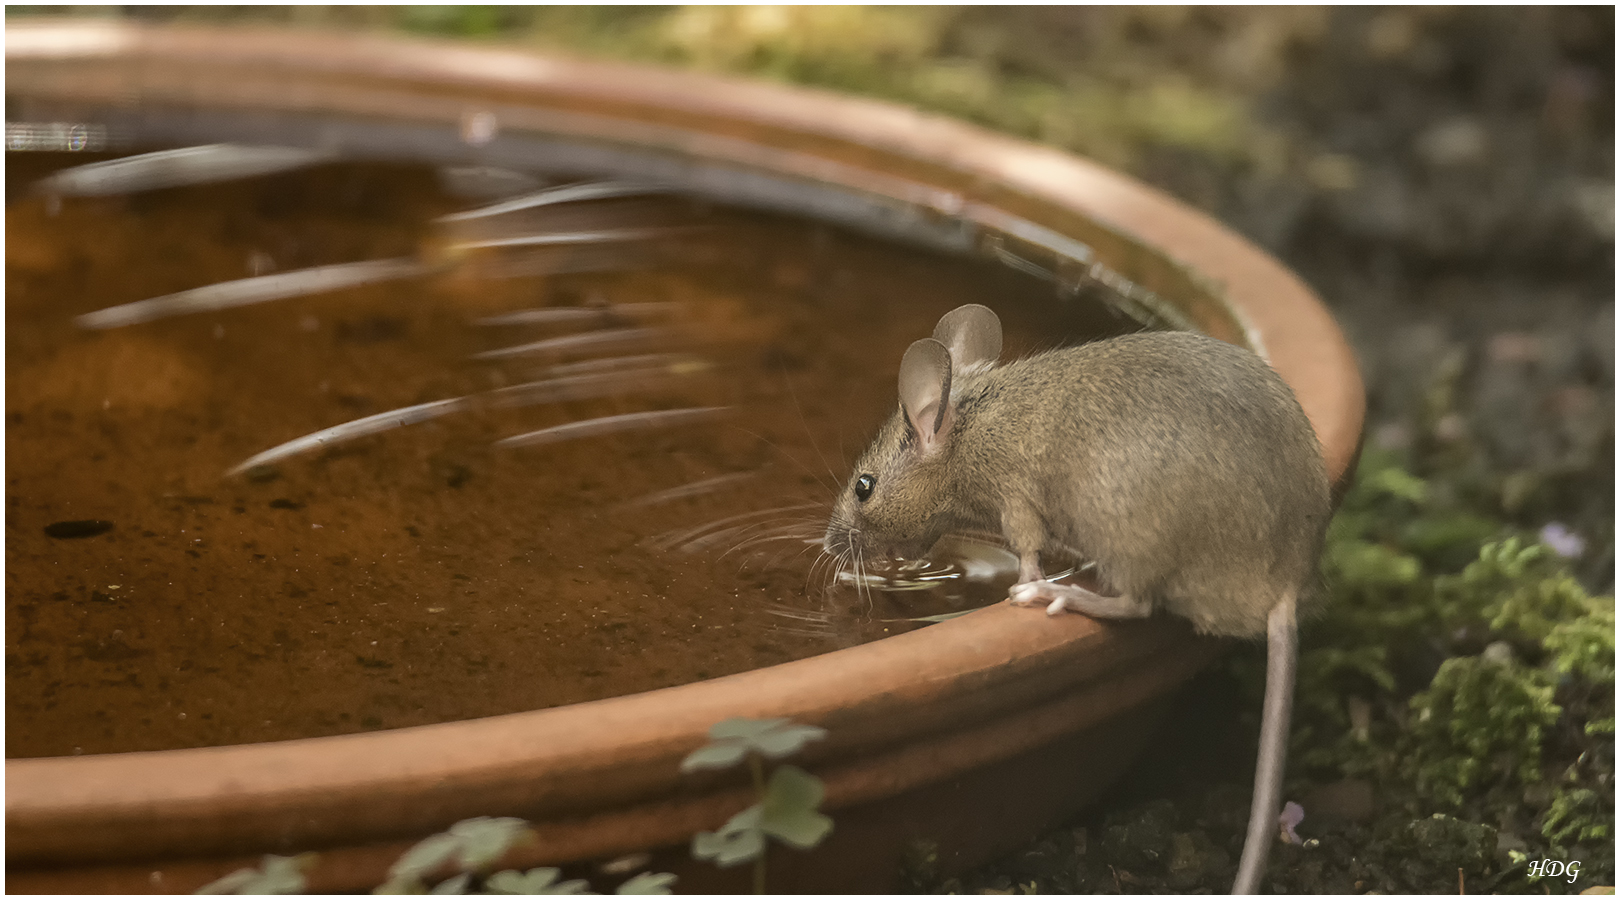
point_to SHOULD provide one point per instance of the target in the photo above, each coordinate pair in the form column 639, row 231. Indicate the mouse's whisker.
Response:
column 788, row 551
column 790, row 457
column 832, row 485
column 749, row 536
column 801, row 622
column 810, row 574
column 830, row 564
column 863, row 591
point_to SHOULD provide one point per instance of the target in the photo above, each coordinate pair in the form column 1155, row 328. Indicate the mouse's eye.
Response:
column 863, row 487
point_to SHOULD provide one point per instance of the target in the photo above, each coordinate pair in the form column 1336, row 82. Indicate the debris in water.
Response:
column 78, row 528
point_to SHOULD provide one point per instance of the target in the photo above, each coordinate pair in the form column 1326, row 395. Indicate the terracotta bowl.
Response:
column 974, row 734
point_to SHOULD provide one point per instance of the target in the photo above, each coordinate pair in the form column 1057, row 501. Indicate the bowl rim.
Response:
column 306, row 792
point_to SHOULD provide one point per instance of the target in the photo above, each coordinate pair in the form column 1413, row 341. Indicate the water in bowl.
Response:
column 509, row 461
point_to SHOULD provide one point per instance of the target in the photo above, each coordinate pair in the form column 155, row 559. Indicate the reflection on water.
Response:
column 356, row 458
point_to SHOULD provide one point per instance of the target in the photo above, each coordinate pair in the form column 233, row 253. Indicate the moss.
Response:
column 1579, row 814
column 1481, row 721
column 1477, row 685
column 1441, row 846
column 1519, row 590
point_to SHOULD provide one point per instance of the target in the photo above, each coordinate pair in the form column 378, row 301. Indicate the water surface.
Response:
column 486, row 556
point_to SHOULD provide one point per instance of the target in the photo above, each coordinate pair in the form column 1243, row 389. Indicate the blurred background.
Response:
column 1444, row 178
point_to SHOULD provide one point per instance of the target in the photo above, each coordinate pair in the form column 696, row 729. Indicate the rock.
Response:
column 1350, row 800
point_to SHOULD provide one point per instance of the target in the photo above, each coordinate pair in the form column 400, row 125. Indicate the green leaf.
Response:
column 789, row 809
column 786, row 739
column 229, row 884
column 728, row 850
column 742, row 847
column 1397, row 483
column 747, row 820
column 800, row 828
column 737, row 841
column 707, row 845
column 429, row 854
column 408, row 884
column 719, row 755
column 791, row 787
column 647, row 883
column 456, row 884
column 511, row 881
column 745, row 729
column 275, row 875
column 484, row 840
column 732, row 739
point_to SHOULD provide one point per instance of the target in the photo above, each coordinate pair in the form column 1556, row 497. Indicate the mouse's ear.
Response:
column 925, row 391
column 972, row 333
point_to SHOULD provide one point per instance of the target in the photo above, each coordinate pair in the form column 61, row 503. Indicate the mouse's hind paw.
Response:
column 1060, row 597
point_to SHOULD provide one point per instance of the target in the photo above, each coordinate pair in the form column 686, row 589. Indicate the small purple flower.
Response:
column 1563, row 542
column 1292, row 814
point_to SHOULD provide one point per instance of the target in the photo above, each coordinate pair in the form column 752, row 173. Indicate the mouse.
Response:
column 1180, row 467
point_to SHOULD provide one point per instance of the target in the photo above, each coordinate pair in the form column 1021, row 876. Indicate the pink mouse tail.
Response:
column 1282, row 646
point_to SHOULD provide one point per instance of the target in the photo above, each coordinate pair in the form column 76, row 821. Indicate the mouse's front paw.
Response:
column 1039, row 593
column 1025, row 593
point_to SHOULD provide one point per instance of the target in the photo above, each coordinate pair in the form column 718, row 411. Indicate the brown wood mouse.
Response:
column 1182, row 466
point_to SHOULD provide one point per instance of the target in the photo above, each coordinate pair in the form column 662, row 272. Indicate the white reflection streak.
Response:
column 612, row 424
column 568, row 193
column 569, row 343
column 173, row 168
column 555, row 239
column 552, row 314
column 247, row 291
column 384, row 421
column 670, row 363
column 578, row 387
